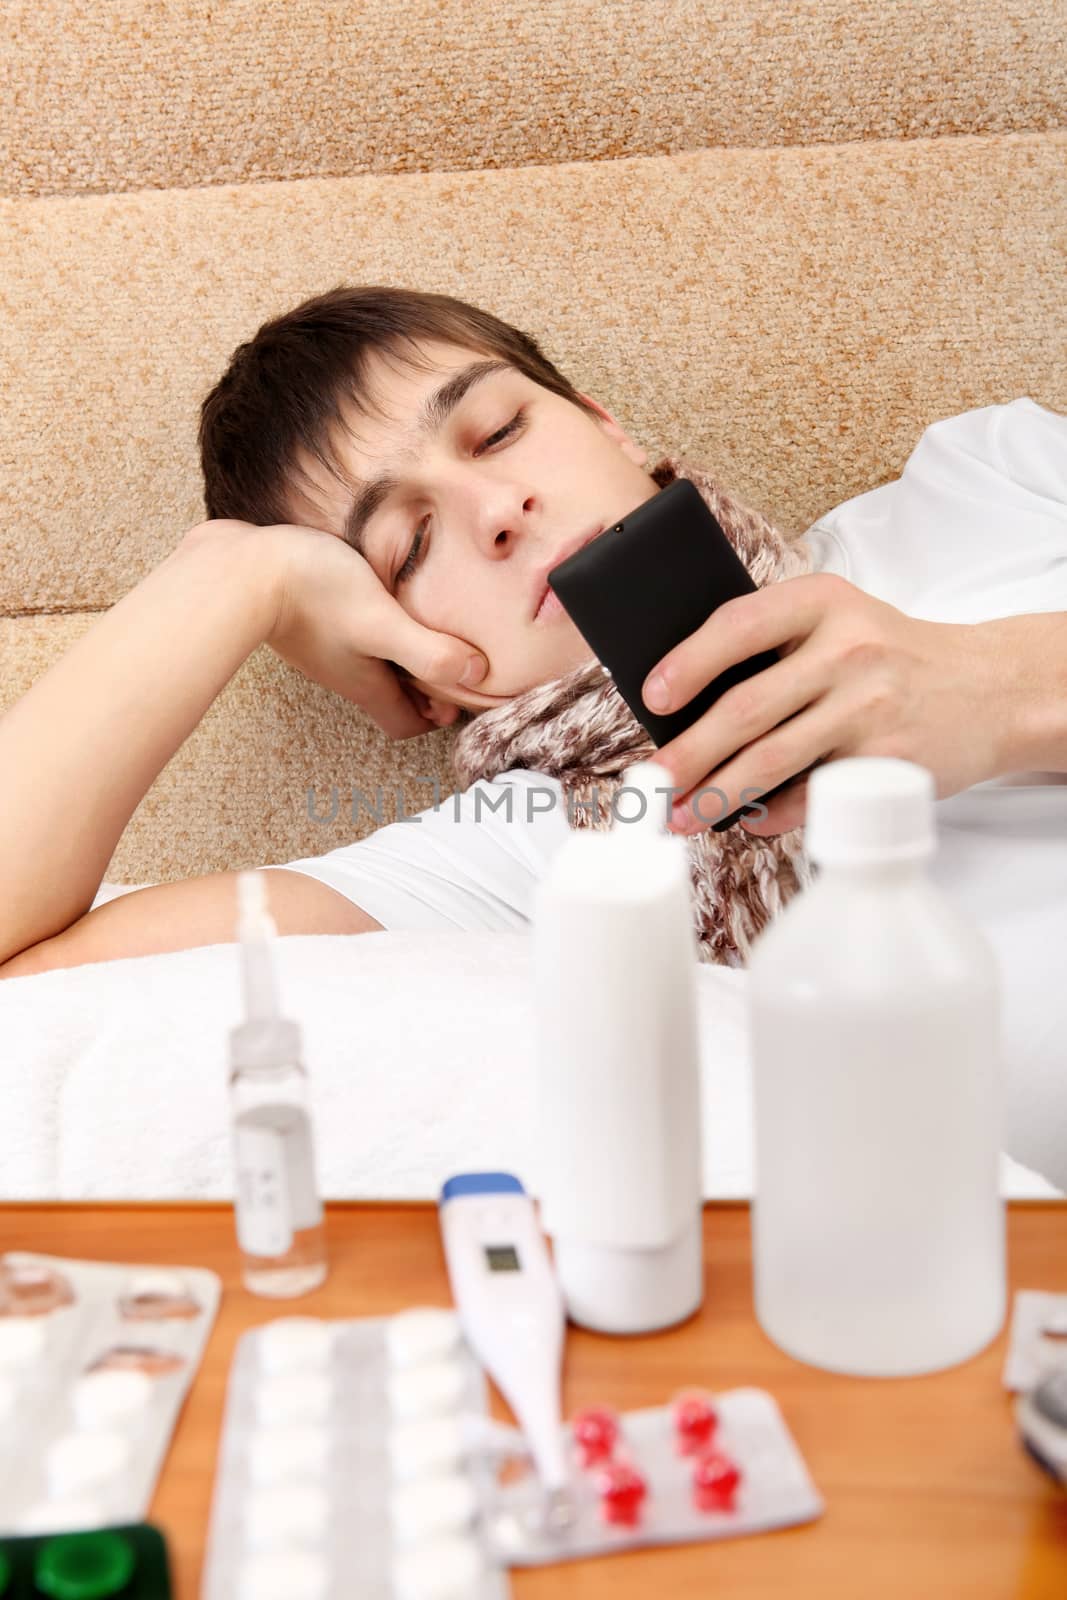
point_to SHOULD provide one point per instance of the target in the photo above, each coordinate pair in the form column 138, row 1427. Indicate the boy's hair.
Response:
column 284, row 389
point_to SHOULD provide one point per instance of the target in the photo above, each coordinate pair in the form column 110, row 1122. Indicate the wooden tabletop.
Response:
column 927, row 1490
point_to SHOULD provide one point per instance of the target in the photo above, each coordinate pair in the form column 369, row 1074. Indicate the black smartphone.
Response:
column 645, row 584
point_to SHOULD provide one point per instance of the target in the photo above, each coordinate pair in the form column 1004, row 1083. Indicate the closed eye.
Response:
column 517, row 423
column 417, row 550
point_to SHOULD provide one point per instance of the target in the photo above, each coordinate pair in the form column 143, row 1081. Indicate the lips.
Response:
column 550, row 606
column 541, row 590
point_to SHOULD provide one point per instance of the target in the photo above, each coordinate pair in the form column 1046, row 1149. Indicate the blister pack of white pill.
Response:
column 95, row 1361
column 707, row 1466
column 344, row 1464
column 1038, row 1342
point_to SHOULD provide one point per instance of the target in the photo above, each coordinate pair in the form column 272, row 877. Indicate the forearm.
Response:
column 1028, row 661
column 83, row 745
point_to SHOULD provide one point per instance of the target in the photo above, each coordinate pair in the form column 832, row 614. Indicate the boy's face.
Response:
column 488, row 510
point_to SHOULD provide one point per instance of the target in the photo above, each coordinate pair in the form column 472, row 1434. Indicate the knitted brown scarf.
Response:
column 579, row 730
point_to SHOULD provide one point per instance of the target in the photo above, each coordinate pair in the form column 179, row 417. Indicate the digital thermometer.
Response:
column 511, row 1310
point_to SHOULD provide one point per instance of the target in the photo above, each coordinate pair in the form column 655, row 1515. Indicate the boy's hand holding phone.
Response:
column 858, row 678
column 762, row 685
column 337, row 623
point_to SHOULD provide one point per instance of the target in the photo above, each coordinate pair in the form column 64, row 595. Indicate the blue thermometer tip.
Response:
column 480, row 1183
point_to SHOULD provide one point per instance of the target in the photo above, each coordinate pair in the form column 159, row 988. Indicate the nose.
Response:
column 499, row 519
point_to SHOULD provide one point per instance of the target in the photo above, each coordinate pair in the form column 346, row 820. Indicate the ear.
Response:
column 616, row 431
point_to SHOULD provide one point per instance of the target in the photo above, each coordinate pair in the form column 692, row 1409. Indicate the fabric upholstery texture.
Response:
column 777, row 239
column 159, row 94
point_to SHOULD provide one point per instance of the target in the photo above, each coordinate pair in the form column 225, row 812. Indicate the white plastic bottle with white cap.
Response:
column 619, row 1140
column 878, row 1230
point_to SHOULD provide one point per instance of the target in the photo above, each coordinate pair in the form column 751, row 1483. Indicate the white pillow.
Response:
column 419, row 1048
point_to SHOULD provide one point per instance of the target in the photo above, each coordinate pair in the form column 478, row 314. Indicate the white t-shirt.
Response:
column 974, row 528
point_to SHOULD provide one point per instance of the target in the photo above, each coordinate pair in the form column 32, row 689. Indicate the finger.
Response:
column 744, row 714
column 437, row 658
column 785, row 753
column 772, row 618
column 397, row 706
column 787, row 810
column 398, row 717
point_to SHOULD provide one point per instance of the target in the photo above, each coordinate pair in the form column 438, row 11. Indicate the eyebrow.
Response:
column 434, row 414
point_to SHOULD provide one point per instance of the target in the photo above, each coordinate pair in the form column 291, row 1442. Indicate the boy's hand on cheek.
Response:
column 335, row 622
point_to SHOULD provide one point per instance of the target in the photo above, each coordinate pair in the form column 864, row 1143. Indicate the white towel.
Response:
column 419, row 1048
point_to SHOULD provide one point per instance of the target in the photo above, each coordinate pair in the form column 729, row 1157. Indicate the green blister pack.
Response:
column 121, row 1563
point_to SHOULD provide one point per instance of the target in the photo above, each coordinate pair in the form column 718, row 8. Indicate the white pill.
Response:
column 426, row 1391
column 156, row 1284
column 436, row 1505
column 288, row 1513
column 278, row 1455
column 444, row 1569
column 293, row 1397
column 283, row 1575
column 79, row 1460
column 63, row 1516
column 423, row 1334
column 101, row 1399
column 418, row 1448
column 28, row 1274
column 22, row 1340
column 295, row 1343
column 34, row 1289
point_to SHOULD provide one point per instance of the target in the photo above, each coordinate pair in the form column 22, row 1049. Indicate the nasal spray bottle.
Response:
column 878, row 1229
column 279, row 1214
column 618, row 1067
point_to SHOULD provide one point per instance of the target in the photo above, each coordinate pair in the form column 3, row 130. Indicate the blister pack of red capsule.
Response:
column 706, row 1466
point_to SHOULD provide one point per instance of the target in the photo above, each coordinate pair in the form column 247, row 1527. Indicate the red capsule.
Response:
column 695, row 1421
column 715, row 1481
column 596, row 1431
column 622, row 1490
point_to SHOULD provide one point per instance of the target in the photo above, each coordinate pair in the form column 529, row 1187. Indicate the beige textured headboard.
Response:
column 778, row 238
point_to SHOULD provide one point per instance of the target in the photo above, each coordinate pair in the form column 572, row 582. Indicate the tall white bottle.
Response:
column 620, row 1171
column 878, row 1230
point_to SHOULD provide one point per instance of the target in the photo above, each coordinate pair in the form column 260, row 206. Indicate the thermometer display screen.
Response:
column 502, row 1258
